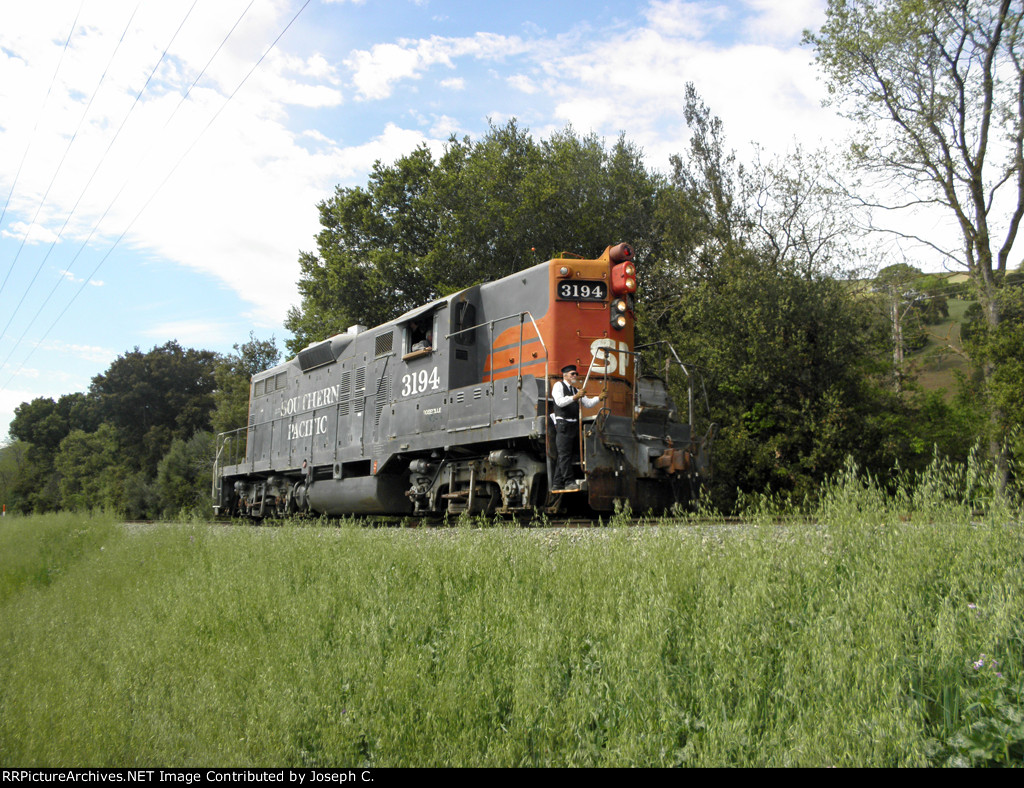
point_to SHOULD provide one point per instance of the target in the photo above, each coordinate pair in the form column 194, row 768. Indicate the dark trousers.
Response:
column 566, row 440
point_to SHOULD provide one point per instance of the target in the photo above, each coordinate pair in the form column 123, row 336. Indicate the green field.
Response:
column 936, row 365
column 889, row 632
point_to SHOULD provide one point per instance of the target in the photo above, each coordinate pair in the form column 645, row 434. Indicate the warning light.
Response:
column 619, row 310
column 624, row 279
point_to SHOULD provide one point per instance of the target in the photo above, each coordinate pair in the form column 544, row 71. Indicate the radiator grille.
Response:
column 383, row 344
column 383, row 395
column 316, row 356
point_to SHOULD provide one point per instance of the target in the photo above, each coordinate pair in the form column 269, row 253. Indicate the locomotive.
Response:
column 447, row 409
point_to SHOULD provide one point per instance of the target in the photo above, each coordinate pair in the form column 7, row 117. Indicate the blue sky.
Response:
column 140, row 212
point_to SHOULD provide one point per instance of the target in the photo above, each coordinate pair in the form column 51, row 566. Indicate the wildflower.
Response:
column 971, row 606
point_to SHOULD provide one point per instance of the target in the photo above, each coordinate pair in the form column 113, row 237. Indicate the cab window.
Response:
column 419, row 336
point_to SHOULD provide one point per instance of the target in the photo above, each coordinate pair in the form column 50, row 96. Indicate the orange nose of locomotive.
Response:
column 593, row 322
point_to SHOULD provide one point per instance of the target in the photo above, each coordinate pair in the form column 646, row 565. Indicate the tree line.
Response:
column 744, row 269
column 140, row 441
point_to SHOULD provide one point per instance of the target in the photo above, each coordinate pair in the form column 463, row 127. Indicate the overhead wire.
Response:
column 173, row 169
column 71, row 142
column 99, row 164
column 35, row 128
column 125, row 183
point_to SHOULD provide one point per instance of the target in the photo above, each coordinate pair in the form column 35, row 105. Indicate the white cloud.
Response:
column 91, row 353
column 314, row 134
column 691, row 20
column 197, row 333
column 761, row 93
column 30, row 234
column 444, row 127
column 376, row 71
column 782, row 23
column 242, row 203
column 193, row 167
column 523, row 83
column 392, row 143
column 76, row 280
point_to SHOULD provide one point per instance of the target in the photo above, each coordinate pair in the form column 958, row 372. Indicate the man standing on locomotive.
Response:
column 567, row 426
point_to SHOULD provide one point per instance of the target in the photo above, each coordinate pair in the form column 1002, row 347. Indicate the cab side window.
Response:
column 419, row 335
column 465, row 319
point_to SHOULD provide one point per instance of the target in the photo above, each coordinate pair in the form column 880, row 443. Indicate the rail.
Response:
column 681, row 365
column 521, row 316
column 231, row 448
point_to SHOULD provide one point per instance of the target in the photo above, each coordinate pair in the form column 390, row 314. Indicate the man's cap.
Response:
column 569, row 368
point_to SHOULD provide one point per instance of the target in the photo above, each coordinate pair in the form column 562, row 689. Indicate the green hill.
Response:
column 935, row 365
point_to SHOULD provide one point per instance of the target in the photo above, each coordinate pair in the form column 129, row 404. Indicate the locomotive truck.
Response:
column 447, row 409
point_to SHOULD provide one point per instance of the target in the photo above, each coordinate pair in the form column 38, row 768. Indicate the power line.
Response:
column 124, row 184
column 103, row 158
column 28, row 147
column 60, row 164
column 174, row 169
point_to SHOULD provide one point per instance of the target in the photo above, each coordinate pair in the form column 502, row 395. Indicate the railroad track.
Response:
column 478, row 523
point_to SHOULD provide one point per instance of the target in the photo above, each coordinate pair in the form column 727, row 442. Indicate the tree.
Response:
column 372, row 252
column 13, row 481
column 1003, row 345
column 937, row 90
column 232, row 375
column 897, row 284
column 794, row 214
column 42, row 424
column 152, row 398
column 744, row 290
column 91, row 470
column 422, row 228
column 183, row 476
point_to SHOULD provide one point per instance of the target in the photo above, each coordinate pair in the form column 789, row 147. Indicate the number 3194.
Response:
column 419, row 382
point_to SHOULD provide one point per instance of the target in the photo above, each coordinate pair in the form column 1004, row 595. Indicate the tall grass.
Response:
column 853, row 641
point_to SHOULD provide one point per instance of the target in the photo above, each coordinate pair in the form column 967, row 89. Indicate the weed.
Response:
column 854, row 641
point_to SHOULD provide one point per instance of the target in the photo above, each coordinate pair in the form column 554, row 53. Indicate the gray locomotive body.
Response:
column 446, row 409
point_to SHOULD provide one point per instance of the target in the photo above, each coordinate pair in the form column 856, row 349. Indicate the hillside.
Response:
column 935, row 366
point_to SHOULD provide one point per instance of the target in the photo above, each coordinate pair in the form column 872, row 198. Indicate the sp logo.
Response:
column 610, row 357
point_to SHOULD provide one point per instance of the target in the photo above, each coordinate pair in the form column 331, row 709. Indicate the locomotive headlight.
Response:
column 624, row 279
column 618, row 310
column 565, row 271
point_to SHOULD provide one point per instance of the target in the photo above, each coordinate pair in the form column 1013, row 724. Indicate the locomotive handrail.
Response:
column 593, row 358
column 223, row 440
column 682, row 366
column 540, row 338
column 490, row 323
column 519, row 376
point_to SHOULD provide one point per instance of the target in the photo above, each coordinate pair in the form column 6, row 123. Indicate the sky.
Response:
column 161, row 161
